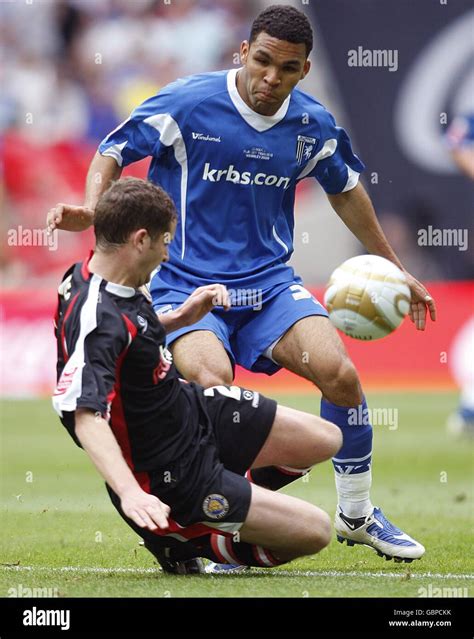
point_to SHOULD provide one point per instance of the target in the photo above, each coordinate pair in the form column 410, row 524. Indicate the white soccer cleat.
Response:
column 377, row 532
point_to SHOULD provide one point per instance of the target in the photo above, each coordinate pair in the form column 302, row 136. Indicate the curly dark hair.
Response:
column 128, row 205
column 285, row 23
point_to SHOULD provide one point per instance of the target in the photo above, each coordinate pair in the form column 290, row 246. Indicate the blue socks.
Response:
column 353, row 462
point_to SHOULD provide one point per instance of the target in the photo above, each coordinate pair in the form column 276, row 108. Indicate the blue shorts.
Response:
column 255, row 323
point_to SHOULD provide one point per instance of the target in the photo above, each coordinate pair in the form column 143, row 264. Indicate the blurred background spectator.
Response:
column 74, row 69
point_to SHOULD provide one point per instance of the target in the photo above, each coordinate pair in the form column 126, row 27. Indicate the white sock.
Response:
column 354, row 494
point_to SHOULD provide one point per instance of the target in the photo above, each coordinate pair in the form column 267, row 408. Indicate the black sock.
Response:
column 275, row 477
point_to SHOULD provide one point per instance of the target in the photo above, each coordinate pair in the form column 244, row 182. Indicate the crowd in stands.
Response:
column 74, row 69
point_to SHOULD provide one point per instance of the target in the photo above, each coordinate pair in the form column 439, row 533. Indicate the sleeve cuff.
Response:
column 115, row 152
column 352, row 180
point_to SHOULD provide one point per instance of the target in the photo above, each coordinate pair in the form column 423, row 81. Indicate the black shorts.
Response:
column 206, row 487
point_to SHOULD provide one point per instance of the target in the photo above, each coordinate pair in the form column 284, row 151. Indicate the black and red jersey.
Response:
column 112, row 359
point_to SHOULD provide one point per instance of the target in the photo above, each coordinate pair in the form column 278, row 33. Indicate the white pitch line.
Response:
column 353, row 573
column 283, row 573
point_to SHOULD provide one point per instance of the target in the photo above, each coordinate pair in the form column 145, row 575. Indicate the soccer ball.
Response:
column 367, row 297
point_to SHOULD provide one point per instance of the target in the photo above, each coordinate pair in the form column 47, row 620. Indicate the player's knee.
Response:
column 341, row 385
column 319, row 532
column 324, row 442
column 331, row 440
column 322, row 532
column 207, row 378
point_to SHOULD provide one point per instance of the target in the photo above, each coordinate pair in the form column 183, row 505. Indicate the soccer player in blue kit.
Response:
column 230, row 148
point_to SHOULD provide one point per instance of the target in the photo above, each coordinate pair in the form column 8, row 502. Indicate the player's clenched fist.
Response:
column 212, row 295
column 146, row 510
column 203, row 300
column 67, row 217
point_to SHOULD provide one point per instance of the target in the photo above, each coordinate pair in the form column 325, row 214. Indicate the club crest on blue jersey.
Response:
column 215, row 506
column 304, row 149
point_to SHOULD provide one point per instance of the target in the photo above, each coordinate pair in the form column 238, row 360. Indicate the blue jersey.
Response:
column 232, row 174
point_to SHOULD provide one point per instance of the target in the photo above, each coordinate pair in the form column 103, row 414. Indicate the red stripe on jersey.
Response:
column 188, row 532
column 144, row 480
column 110, row 400
column 132, row 329
column 248, row 476
column 56, row 318
column 118, row 422
column 117, row 419
column 63, row 327
column 85, row 266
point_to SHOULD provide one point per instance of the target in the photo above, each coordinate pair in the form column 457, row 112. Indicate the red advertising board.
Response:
column 406, row 359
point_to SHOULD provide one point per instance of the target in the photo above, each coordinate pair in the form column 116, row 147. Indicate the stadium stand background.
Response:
column 74, row 69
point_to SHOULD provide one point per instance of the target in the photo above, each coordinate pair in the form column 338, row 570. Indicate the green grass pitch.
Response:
column 61, row 533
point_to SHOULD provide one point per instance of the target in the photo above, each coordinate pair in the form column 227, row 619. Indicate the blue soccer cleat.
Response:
column 377, row 532
column 224, row 569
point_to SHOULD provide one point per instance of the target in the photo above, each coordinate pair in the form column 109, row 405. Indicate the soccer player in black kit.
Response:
column 174, row 456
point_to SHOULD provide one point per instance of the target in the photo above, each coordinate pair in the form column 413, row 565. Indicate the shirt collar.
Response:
column 255, row 120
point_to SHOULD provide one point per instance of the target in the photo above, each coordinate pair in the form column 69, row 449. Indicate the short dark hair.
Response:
column 285, row 23
column 128, row 205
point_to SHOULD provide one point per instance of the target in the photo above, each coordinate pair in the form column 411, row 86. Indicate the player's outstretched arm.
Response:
column 357, row 212
column 66, row 217
column 199, row 303
column 464, row 159
column 97, row 439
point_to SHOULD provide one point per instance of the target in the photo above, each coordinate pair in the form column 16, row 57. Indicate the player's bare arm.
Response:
column 357, row 212
column 97, row 439
column 464, row 159
column 67, row 217
column 201, row 301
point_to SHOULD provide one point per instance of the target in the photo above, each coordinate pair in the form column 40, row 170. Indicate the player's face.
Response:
column 156, row 251
column 272, row 69
column 159, row 248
